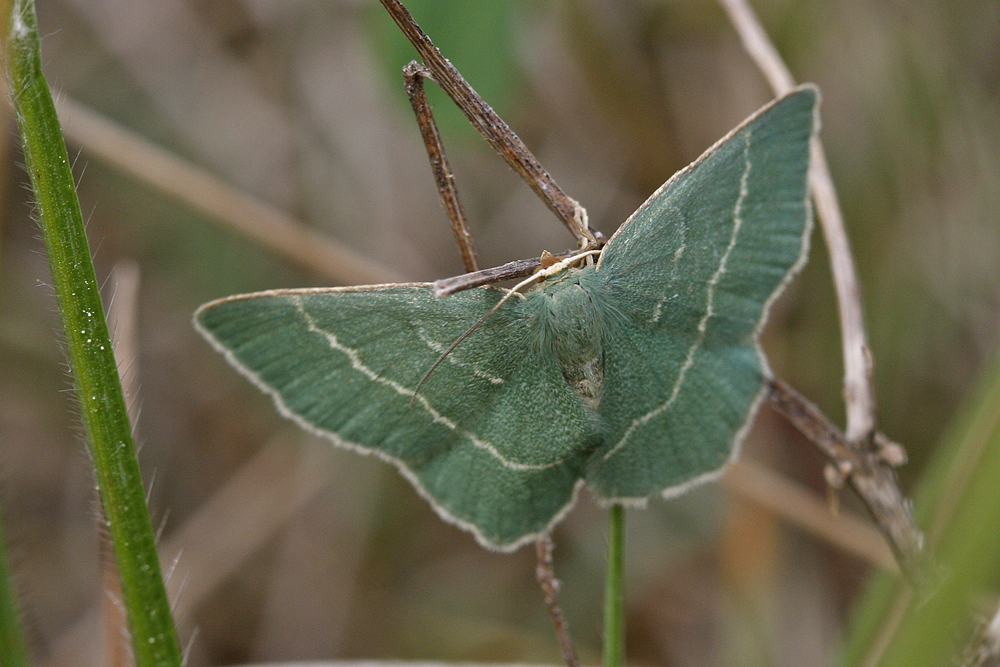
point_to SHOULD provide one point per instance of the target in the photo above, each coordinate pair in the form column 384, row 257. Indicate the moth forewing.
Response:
column 653, row 398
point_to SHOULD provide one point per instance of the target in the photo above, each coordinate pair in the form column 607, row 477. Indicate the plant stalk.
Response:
column 614, row 591
column 88, row 347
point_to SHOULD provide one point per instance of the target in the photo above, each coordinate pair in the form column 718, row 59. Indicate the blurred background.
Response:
column 286, row 549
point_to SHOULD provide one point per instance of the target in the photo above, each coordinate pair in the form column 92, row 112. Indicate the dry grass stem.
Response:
column 115, row 648
column 984, row 649
column 802, row 508
column 858, row 454
column 858, row 390
column 123, row 318
column 206, row 193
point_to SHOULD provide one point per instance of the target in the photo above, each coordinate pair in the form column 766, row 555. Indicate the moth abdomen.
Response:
column 587, row 380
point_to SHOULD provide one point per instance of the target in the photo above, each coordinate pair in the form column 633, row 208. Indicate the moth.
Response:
column 637, row 375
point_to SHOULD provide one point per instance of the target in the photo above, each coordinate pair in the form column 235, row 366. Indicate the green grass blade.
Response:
column 88, row 347
column 958, row 505
column 13, row 647
column 614, row 591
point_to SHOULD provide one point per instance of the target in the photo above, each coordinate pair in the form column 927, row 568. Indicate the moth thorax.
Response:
column 576, row 341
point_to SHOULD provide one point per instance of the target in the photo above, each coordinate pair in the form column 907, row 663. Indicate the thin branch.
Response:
column 546, row 576
column 992, row 635
column 414, row 75
column 208, row 194
column 858, row 391
column 519, row 268
column 550, row 270
column 868, row 470
column 499, row 135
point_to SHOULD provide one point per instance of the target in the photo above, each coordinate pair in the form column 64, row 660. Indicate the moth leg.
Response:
column 414, row 75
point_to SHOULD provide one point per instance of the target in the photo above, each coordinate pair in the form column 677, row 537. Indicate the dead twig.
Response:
column 115, row 649
column 546, row 576
column 414, row 75
column 519, row 268
column 499, row 135
column 505, row 142
column 869, row 471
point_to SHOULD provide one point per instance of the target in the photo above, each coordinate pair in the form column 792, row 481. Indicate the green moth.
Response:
column 636, row 376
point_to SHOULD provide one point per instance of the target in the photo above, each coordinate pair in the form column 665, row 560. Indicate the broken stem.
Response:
column 499, row 135
column 414, row 75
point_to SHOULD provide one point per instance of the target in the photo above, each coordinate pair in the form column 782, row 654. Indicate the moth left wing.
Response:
column 494, row 437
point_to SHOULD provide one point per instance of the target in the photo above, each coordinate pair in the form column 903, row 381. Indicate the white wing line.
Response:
column 440, row 349
column 709, row 310
column 436, row 416
column 658, row 311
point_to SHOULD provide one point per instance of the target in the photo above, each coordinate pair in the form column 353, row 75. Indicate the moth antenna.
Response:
column 544, row 273
column 464, row 336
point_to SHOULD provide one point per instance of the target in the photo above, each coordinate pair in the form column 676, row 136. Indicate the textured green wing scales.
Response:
column 685, row 437
column 660, row 338
column 494, row 437
column 690, row 277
